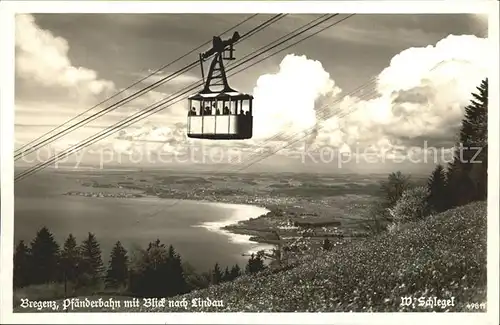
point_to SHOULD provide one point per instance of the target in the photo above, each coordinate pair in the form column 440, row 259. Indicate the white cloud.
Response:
column 421, row 95
column 450, row 59
column 286, row 100
column 42, row 63
column 43, row 58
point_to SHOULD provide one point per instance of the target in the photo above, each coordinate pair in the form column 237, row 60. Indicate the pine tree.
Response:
column 437, row 199
column 459, row 185
column 468, row 174
column 227, row 275
column 477, row 117
column 235, row 272
column 44, row 257
column 92, row 265
column 475, row 123
column 117, row 273
column 216, row 274
column 255, row 264
column 22, row 265
column 70, row 261
column 177, row 279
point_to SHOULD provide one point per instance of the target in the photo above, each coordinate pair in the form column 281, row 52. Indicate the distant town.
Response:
column 105, row 194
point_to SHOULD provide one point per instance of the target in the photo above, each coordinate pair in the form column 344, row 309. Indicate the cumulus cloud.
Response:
column 285, row 105
column 419, row 101
column 286, row 100
column 421, row 96
column 43, row 58
column 61, row 90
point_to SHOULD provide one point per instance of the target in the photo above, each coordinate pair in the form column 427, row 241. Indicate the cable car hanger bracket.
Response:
column 223, row 50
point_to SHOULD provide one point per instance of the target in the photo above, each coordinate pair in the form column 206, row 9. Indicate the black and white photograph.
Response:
column 173, row 162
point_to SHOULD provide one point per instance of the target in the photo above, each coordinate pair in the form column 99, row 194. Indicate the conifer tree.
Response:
column 467, row 179
column 21, row 265
column 436, row 185
column 227, row 275
column 477, row 116
column 70, row 261
column 92, row 265
column 475, row 123
column 117, row 273
column 44, row 257
column 459, row 185
column 235, row 272
column 255, row 264
column 216, row 274
column 175, row 270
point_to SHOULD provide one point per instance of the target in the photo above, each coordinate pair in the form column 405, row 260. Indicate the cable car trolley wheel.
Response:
column 222, row 114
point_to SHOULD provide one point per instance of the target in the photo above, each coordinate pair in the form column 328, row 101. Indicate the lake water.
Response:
column 191, row 227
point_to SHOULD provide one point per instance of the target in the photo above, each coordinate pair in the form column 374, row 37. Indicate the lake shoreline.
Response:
column 282, row 220
column 241, row 214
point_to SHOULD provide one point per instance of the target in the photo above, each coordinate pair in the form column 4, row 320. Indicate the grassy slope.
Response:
column 441, row 256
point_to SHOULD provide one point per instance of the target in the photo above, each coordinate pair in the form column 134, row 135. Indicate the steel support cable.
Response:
column 132, row 85
column 325, row 116
column 265, row 58
column 151, row 109
column 139, row 93
column 262, row 156
column 360, row 88
column 322, row 117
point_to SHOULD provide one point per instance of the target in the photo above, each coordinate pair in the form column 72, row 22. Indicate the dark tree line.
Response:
column 219, row 276
column 44, row 261
column 463, row 180
column 157, row 271
column 466, row 178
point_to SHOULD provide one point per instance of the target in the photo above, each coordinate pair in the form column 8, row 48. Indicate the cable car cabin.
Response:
column 220, row 116
column 223, row 114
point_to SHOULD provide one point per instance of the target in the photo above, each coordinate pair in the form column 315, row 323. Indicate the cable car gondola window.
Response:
column 220, row 111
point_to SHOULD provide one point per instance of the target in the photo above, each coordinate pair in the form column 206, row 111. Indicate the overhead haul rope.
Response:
column 160, row 69
column 307, row 37
column 323, row 114
column 152, row 109
column 137, row 94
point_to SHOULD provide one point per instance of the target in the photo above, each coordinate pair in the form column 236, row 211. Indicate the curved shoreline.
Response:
column 241, row 212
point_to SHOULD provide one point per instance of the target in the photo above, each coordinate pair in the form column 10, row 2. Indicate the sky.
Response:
column 370, row 94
